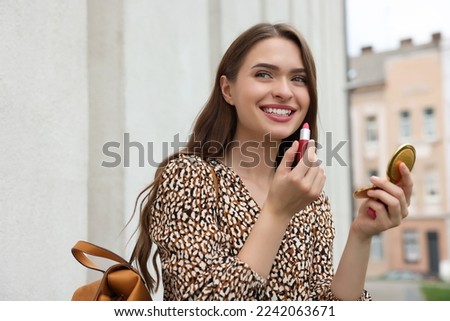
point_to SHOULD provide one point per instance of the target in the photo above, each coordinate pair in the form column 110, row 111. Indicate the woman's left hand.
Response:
column 386, row 206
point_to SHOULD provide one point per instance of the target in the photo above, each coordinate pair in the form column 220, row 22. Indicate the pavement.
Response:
column 383, row 290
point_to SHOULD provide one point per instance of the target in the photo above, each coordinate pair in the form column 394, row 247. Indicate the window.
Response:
column 376, row 248
column 405, row 124
column 429, row 123
column 371, row 126
column 372, row 172
column 431, row 187
column 371, row 132
column 411, row 249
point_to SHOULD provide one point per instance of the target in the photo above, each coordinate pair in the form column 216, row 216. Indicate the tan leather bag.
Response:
column 120, row 282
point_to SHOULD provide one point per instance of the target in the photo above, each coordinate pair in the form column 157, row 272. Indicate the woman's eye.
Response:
column 263, row 74
column 299, row 79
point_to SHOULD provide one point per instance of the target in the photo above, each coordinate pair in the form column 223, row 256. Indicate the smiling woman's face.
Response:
column 270, row 93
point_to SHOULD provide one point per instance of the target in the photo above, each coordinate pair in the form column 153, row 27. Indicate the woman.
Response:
column 233, row 216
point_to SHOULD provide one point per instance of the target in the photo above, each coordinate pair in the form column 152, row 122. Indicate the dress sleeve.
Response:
column 322, row 267
column 196, row 261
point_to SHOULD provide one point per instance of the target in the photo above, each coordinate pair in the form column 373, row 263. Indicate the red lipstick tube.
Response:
column 305, row 135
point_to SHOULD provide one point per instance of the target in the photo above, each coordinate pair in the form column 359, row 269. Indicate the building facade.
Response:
column 397, row 97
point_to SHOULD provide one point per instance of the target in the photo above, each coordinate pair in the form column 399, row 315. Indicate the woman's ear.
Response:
column 225, row 87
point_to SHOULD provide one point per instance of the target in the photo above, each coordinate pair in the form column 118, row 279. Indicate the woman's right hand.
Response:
column 294, row 188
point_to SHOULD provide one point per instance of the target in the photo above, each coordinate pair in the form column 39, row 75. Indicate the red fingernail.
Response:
column 372, row 213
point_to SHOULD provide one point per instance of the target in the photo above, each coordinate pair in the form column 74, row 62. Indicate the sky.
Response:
column 382, row 23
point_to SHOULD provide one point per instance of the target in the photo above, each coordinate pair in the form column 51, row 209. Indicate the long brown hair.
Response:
column 215, row 128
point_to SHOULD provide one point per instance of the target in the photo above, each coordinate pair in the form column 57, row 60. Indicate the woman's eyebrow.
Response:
column 276, row 68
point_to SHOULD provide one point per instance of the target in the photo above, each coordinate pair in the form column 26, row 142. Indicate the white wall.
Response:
column 167, row 80
column 44, row 140
column 76, row 75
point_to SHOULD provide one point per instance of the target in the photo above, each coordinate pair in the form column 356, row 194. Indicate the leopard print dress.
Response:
column 199, row 231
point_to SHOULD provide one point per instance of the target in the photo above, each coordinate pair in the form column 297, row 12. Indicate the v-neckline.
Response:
column 238, row 178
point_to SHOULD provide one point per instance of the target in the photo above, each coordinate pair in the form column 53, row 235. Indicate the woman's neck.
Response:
column 253, row 159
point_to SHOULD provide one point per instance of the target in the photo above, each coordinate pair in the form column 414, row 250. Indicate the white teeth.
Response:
column 281, row 112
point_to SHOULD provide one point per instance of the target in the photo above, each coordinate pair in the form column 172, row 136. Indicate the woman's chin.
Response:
column 280, row 135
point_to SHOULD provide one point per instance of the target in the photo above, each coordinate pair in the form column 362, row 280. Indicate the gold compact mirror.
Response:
column 406, row 154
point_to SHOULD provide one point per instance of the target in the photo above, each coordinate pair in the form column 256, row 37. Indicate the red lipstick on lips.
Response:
column 278, row 117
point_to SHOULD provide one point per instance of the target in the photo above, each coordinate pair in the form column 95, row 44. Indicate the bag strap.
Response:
column 81, row 248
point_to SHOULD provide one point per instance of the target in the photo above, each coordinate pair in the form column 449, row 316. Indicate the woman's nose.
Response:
column 282, row 90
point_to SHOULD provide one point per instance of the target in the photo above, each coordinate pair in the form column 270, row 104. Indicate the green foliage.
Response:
column 436, row 291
